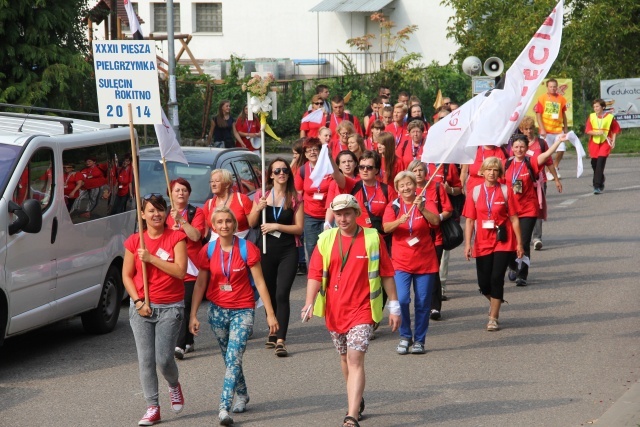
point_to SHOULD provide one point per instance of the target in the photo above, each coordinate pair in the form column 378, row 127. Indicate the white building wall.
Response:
column 286, row 29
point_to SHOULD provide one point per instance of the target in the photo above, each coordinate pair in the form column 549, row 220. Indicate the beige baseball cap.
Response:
column 344, row 201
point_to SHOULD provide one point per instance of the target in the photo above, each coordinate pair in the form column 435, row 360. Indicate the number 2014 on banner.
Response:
column 118, row 111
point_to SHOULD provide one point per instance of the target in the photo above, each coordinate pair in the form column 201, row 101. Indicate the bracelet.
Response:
column 394, row 307
column 139, row 308
column 137, row 301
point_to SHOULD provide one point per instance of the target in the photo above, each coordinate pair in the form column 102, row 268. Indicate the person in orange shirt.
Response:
column 551, row 114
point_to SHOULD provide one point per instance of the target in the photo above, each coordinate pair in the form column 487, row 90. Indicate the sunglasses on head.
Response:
column 150, row 195
column 278, row 171
column 366, row 167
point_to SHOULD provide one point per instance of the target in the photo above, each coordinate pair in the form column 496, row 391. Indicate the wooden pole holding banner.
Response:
column 424, row 190
column 166, row 177
column 263, row 124
column 136, row 180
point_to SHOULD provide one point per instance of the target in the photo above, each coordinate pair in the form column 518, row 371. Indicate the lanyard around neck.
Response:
column 404, row 209
column 273, row 198
column 344, row 256
column 486, row 197
column 227, row 273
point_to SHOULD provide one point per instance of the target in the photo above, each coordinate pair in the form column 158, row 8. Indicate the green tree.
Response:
column 43, row 55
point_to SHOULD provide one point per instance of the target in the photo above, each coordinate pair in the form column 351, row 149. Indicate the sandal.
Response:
column 360, row 411
column 271, row 342
column 403, row 346
column 350, row 422
column 281, row 350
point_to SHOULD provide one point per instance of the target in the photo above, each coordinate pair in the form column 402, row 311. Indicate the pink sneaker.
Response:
column 177, row 399
column 151, row 417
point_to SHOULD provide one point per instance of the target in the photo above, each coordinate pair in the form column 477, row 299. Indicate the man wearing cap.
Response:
column 347, row 271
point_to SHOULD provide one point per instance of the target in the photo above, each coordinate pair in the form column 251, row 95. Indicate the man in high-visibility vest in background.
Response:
column 347, row 271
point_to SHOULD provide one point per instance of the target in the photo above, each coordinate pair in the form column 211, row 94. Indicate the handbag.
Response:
column 452, row 234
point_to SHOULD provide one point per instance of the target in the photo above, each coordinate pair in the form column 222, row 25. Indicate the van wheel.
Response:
column 104, row 317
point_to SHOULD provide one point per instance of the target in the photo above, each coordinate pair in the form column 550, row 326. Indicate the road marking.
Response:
column 567, row 203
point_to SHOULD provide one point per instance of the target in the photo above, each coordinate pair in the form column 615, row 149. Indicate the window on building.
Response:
column 125, row 26
column 208, row 17
column 160, row 17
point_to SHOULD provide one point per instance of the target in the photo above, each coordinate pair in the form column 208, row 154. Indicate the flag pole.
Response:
column 424, row 190
column 166, row 177
column 263, row 124
column 136, row 180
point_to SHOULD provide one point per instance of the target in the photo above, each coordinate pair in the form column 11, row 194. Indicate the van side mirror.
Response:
column 28, row 217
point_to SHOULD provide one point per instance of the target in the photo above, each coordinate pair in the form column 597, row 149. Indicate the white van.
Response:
column 61, row 252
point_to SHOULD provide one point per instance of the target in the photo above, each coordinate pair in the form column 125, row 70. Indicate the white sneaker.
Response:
column 558, row 173
column 224, row 418
column 550, row 177
column 178, row 353
column 189, row 348
column 537, row 244
column 241, row 404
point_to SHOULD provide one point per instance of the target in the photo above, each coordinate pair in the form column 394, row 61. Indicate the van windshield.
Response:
column 152, row 179
column 8, row 159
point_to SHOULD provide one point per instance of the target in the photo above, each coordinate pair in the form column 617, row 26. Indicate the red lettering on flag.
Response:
column 542, row 36
column 531, row 74
column 532, row 58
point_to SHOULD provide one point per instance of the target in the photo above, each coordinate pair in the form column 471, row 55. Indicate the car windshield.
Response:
column 8, row 159
column 152, row 179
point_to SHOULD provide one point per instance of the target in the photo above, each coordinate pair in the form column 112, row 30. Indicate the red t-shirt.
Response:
column 444, row 200
column 399, row 132
column 474, row 169
column 452, row 178
column 192, row 247
column 70, row 182
column 241, row 294
column 408, row 152
column 124, row 179
column 397, row 168
column 375, row 195
column 311, row 128
column 334, row 121
column 336, row 147
column 526, row 202
column 239, row 204
column 163, row 288
column 334, row 190
column 485, row 242
column 247, row 126
column 349, row 305
column 420, row 257
column 93, row 177
column 314, row 198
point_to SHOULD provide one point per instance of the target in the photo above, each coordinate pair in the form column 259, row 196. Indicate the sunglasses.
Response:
column 318, row 103
column 150, row 195
column 278, row 171
column 366, row 167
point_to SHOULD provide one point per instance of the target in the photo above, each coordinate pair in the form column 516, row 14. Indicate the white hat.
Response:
column 344, row 201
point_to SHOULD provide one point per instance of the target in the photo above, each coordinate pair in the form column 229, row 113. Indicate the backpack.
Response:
column 191, row 213
column 376, row 221
column 452, row 234
column 242, row 243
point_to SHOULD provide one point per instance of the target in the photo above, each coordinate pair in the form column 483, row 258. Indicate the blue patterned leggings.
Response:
column 231, row 328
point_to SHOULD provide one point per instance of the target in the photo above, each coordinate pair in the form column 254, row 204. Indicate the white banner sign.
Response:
column 126, row 73
column 623, row 100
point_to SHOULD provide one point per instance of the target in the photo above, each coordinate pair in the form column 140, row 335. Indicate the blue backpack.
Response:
column 242, row 243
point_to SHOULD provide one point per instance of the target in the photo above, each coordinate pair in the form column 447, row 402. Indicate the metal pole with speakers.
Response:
column 493, row 68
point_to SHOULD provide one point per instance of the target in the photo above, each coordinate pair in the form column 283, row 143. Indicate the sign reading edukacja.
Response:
column 623, row 100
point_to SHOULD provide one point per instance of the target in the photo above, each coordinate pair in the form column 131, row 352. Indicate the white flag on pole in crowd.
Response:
column 169, row 147
column 323, row 167
column 493, row 116
column 315, row 116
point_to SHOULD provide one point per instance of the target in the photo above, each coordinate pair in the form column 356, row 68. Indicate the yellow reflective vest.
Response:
column 600, row 124
column 372, row 246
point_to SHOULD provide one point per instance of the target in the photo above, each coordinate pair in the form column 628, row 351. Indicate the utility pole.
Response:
column 113, row 20
column 172, row 105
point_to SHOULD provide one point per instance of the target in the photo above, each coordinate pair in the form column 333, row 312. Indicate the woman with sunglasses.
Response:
column 285, row 217
column 190, row 220
column 314, row 197
column 156, row 326
column 310, row 129
column 225, row 276
column 223, row 196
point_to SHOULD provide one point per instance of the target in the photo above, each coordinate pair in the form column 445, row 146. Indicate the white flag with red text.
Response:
column 491, row 117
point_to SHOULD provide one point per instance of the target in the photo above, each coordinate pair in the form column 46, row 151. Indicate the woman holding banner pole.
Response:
column 156, row 324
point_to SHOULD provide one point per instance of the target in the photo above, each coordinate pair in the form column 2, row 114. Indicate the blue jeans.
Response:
column 422, row 288
column 231, row 328
column 312, row 229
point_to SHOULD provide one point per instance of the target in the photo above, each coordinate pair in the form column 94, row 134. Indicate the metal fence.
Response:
column 340, row 64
